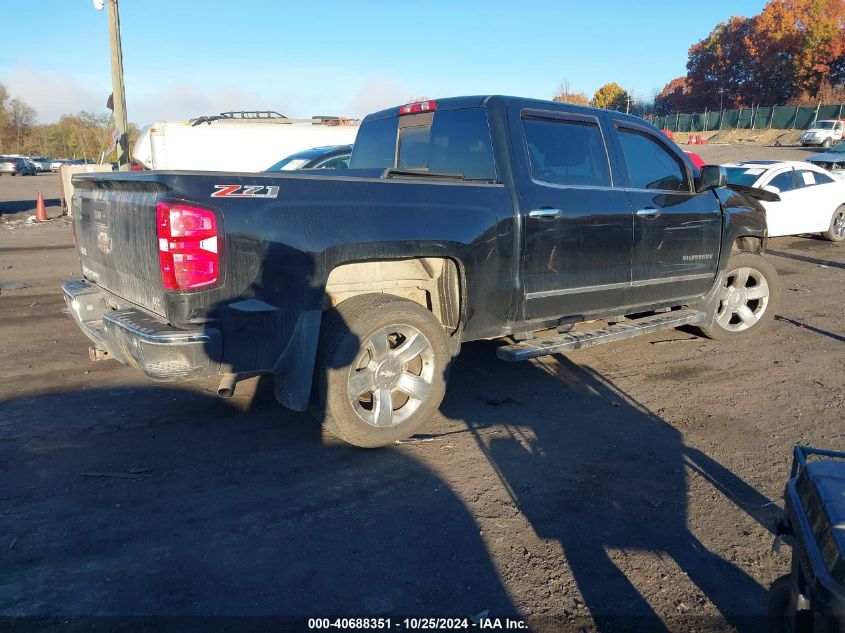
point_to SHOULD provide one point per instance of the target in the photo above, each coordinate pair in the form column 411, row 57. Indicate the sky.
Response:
column 186, row 58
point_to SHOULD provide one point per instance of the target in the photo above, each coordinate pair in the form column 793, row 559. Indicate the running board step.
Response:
column 587, row 338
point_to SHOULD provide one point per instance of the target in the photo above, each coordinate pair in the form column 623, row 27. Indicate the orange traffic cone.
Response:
column 40, row 209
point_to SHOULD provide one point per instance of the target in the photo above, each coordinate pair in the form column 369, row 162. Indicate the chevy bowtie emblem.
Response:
column 104, row 242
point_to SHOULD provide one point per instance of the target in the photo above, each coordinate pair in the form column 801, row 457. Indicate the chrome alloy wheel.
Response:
column 391, row 376
column 839, row 224
column 743, row 299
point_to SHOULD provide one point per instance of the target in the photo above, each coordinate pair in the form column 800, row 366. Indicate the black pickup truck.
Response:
column 459, row 219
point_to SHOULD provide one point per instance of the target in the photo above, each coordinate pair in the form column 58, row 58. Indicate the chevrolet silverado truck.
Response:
column 461, row 219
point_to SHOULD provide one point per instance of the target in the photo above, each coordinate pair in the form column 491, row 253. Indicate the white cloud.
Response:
column 297, row 92
column 377, row 92
column 184, row 100
column 55, row 94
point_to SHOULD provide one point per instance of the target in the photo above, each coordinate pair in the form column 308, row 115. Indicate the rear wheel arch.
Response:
column 436, row 283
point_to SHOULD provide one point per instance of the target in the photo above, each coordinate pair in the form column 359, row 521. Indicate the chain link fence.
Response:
column 754, row 118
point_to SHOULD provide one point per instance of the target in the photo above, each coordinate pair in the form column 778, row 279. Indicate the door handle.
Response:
column 546, row 213
column 648, row 213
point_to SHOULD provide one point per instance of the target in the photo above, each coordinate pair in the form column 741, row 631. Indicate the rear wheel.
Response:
column 836, row 231
column 380, row 371
column 747, row 299
column 778, row 605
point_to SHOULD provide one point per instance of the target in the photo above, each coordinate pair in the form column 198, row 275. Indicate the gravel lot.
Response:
column 623, row 482
column 18, row 194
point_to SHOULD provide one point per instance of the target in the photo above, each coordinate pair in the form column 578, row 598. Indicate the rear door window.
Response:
column 566, row 152
column 650, row 165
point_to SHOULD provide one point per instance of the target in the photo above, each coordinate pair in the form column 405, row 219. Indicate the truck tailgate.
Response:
column 114, row 225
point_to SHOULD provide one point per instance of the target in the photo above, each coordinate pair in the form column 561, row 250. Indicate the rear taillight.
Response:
column 417, row 107
column 187, row 246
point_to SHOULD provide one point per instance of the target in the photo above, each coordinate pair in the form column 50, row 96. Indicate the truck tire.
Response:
column 778, row 605
column 836, row 231
column 747, row 300
column 381, row 369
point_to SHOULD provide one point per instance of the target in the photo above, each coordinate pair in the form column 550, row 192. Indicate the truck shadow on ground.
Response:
column 811, row 328
column 162, row 501
column 808, row 260
column 596, row 471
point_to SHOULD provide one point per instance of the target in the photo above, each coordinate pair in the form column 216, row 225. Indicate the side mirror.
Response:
column 771, row 189
column 712, row 177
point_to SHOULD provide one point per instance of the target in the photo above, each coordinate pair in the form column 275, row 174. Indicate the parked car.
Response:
column 811, row 597
column 460, row 219
column 832, row 160
column 811, row 200
column 42, row 163
column 32, row 165
column 695, row 159
column 57, row 164
column 16, row 166
column 823, row 133
column 328, row 157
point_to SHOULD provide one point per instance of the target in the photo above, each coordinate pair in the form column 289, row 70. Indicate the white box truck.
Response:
column 236, row 141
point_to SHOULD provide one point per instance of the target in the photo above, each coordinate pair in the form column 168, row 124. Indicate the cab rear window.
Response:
column 449, row 141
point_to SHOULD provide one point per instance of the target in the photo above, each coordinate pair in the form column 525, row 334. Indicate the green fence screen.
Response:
column 758, row 118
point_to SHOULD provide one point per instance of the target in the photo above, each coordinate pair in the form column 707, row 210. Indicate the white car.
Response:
column 811, row 200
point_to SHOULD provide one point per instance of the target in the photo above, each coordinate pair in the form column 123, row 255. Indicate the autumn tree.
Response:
column 793, row 48
column 611, row 96
column 800, row 43
column 722, row 70
column 675, row 97
column 565, row 95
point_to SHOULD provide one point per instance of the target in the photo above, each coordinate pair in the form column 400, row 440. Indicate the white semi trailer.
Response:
column 236, row 141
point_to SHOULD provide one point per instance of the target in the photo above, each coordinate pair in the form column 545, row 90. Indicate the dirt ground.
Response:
column 631, row 486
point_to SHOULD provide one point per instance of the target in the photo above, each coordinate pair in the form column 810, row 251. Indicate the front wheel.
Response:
column 836, row 231
column 380, row 371
column 826, row 143
column 747, row 299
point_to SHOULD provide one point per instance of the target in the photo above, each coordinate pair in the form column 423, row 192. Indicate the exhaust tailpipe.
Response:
column 227, row 385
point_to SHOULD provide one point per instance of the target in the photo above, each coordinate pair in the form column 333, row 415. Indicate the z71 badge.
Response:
column 247, row 191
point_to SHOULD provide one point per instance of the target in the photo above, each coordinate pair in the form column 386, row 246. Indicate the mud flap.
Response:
column 709, row 304
column 295, row 369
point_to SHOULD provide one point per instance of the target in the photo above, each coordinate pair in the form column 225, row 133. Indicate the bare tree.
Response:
column 21, row 118
column 4, row 114
column 565, row 95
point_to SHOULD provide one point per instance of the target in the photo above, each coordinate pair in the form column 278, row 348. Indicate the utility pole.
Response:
column 117, row 87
